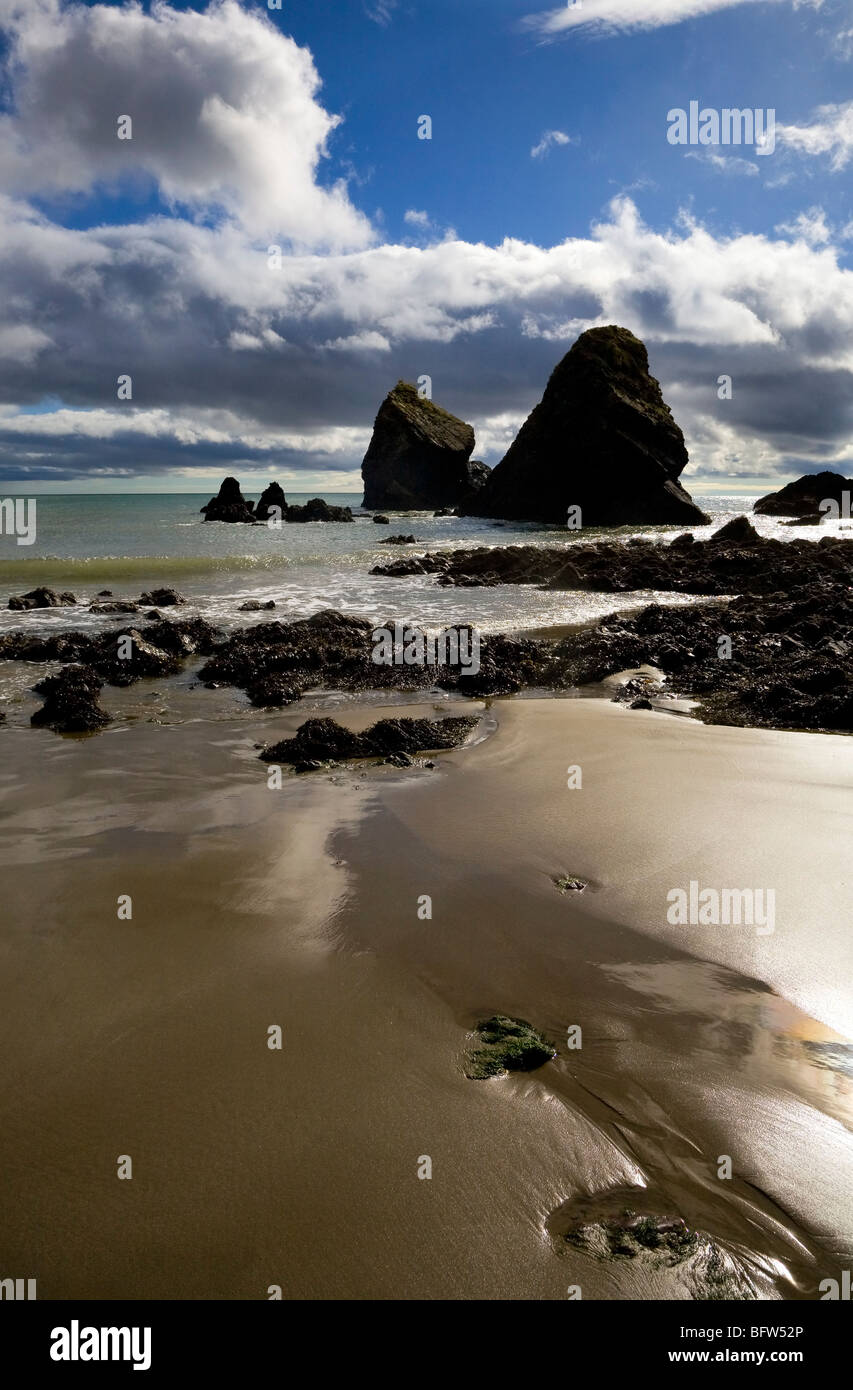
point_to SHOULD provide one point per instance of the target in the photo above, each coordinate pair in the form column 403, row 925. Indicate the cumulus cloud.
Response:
column 616, row 16
column 224, row 111
column 549, row 139
column 295, row 353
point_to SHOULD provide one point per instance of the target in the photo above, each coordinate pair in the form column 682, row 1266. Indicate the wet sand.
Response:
column 299, row 907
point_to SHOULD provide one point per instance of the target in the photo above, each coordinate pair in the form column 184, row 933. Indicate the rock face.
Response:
column 229, row 504
column 419, row 455
column 803, row 498
column 602, row 438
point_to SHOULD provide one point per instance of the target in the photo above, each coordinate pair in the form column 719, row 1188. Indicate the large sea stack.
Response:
column 229, row 504
column 602, row 438
column 419, row 455
column 805, row 496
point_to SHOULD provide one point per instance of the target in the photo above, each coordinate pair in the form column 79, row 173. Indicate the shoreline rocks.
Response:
column 507, row 1044
column 71, row 702
column 320, row 741
column 41, row 598
column 602, row 439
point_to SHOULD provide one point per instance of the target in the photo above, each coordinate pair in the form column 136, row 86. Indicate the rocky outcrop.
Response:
column 71, row 702
column 507, row 1044
column 315, row 509
column 41, row 598
column 601, row 439
column 271, row 497
column 419, row 455
column 229, row 504
column 724, row 564
column 804, row 497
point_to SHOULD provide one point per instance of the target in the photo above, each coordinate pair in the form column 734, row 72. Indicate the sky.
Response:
column 276, row 243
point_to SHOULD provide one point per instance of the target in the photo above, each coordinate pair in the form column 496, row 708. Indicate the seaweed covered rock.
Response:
column 41, row 598
column 507, row 1044
column 419, row 455
column 324, row 740
column 161, row 598
column 71, row 702
column 602, row 439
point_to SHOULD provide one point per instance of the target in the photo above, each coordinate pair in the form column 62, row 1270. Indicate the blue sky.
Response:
column 547, row 200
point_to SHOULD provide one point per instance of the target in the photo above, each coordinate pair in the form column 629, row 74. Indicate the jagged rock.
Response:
column 738, row 531
column 254, row 605
column 324, row 740
column 316, row 509
column 71, row 702
column 803, row 497
column 229, row 504
column 272, row 496
column 41, row 598
column 116, row 606
column 602, row 438
column 418, row 455
column 162, row 598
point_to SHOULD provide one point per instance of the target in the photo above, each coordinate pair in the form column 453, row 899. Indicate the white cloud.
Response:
column 417, row 219
column 549, row 139
column 844, row 43
column 224, row 111
column 810, row 226
column 725, row 163
column 830, row 133
column 380, row 11
column 615, row 16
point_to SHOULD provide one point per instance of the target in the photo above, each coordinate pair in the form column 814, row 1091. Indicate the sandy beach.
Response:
column 298, row 907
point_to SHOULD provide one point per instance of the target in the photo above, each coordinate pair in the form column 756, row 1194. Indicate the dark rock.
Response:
column 273, row 691
column 804, row 520
column 399, row 760
column 317, row 510
column 229, row 504
column 162, row 598
column 418, row 455
column 105, row 593
column 272, row 496
column 71, row 702
column 738, row 531
column 804, row 497
column 41, row 598
column 446, row 511
column 254, row 605
column 381, row 520
column 641, row 703
column 324, row 740
column 397, row 540
column 116, row 606
column 144, row 659
column 507, row 1044
column 602, row 439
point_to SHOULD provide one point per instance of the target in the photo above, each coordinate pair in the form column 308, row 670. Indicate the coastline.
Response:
column 299, row 907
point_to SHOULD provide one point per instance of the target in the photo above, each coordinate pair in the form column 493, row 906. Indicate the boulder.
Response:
column 229, row 504
column 254, row 605
column 602, row 438
column 804, row 497
column 272, row 496
column 380, row 520
column 325, row 740
column 162, row 598
column 71, row 702
column 418, row 456
column 41, row 598
column 738, row 531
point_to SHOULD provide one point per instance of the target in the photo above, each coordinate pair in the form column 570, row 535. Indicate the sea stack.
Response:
column 419, row 455
column 806, row 496
column 602, row 439
column 229, row 504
